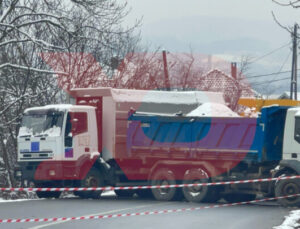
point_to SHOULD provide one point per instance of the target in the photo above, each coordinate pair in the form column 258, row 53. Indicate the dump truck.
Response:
column 113, row 137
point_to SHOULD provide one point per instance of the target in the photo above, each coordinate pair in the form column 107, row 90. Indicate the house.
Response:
column 232, row 86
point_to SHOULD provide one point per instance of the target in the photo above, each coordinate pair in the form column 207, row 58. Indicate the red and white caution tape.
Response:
column 149, row 186
column 140, row 213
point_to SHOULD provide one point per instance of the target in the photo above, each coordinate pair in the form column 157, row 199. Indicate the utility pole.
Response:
column 294, row 65
column 166, row 71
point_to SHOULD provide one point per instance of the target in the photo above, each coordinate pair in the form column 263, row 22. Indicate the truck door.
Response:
column 80, row 135
column 296, row 153
column 291, row 145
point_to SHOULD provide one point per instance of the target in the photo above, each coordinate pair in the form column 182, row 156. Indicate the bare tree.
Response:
column 31, row 31
column 294, row 4
column 286, row 3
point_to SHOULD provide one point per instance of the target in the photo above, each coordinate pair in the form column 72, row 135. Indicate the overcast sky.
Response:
column 183, row 23
column 156, row 10
column 227, row 28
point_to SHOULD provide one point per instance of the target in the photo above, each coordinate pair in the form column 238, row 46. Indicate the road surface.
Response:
column 259, row 216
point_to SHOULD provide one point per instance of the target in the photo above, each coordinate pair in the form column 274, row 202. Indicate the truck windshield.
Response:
column 42, row 123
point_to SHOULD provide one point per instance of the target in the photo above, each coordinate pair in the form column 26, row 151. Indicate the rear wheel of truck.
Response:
column 92, row 179
column 165, row 176
column 47, row 194
column 199, row 193
column 286, row 188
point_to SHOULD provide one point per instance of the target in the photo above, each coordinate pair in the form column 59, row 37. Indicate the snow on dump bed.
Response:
column 212, row 110
column 166, row 97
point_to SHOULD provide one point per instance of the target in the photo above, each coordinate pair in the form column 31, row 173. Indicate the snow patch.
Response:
column 24, row 131
column 108, row 193
column 94, row 154
column 9, row 201
column 167, row 97
column 251, row 112
column 58, row 107
column 212, row 110
column 52, row 132
column 291, row 221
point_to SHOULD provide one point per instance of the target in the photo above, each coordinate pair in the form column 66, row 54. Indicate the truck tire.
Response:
column 124, row 193
column 47, row 194
column 164, row 176
column 285, row 188
column 92, row 179
column 238, row 197
column 199, row 193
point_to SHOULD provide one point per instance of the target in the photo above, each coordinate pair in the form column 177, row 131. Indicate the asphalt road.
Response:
column 259, row 216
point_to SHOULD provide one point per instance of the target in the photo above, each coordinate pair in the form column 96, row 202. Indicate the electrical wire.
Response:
column 269, row 53
column 270, row 81
column 276, row 74
column 269, row 74
column 284, row 63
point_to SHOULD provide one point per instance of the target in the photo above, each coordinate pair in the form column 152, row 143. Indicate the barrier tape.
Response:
column 140, row 213
column 149, row 186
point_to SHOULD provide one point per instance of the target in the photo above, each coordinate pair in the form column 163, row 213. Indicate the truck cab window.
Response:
column 76, row 124
column 68, row 136
column 297, row 129
column 68, row 125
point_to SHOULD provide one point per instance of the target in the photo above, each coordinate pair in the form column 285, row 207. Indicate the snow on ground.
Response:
column 212, row 110
column 71, row 195
column 9, row 201
column 108, row 193
column 291, row 221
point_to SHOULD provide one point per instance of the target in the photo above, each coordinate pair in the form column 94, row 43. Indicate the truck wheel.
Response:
column 199, row 193
column 48, row 194
column 92, row 179
column 238, row 197
column 286, row 188
column 164, row 176
column 124, row 193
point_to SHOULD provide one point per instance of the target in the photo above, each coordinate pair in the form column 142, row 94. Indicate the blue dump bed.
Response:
column 208, row 138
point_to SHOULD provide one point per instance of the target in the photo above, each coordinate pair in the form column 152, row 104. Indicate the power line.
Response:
column 269, row 74
column 270, row 81
column 269, row 53
column 283, row 64
column 275, row 73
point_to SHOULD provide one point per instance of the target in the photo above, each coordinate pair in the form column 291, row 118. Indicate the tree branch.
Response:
column 9, row 65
